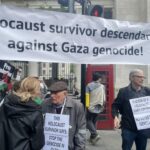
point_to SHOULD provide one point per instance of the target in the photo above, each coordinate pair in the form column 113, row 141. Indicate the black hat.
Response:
column 96, row 76
column 58, row 86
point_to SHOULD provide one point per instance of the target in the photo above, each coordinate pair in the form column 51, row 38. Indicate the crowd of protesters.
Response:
column 23, row 108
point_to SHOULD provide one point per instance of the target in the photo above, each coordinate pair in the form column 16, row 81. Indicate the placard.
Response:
column 141, row 111
column 56, row 131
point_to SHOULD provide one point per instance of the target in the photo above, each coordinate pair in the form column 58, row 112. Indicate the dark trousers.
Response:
column 91, row 119
column 129, row 137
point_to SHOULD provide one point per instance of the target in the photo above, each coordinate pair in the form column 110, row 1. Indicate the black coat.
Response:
column 122, row 105
column 21, row 125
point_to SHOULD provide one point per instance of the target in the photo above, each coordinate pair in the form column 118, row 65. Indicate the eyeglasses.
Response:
column 140, row 77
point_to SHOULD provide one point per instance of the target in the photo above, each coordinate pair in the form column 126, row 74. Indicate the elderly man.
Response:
column 122, row 105
column 60, row 103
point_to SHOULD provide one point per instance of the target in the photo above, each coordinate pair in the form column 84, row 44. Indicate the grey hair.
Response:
column 132, row 72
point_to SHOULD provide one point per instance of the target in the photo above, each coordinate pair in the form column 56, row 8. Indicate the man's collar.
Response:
column 135, row 88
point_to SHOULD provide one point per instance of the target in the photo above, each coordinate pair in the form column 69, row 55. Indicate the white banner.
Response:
column 141, row 111
column 46, row 36
column 56, row 129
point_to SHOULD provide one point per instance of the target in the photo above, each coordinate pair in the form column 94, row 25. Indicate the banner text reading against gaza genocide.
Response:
column 37, row 35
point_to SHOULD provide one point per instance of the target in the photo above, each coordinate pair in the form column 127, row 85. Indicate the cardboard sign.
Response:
column 56, row 131
column 141, row 111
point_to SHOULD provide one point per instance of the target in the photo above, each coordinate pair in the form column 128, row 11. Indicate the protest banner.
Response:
column 48, row 36
column 56, row 131
column 141, row 111
column 6, row 71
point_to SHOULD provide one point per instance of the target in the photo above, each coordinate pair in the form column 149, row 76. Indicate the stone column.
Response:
column 78, row 76
column 33, row 69
column 148, row 10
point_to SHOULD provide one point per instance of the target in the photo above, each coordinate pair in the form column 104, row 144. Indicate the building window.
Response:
column 44, row 72
column 63, row 65
column 44, row 65
column 50, row 65
column 108, row 13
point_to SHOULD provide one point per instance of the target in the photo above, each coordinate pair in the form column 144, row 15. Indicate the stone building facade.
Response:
column 123, row 10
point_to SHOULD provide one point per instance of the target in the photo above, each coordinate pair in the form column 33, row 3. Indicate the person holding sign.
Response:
column 60, row 103
column 22, row 124
column 130, row 133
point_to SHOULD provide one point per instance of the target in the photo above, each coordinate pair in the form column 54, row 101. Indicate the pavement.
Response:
column 110, row 140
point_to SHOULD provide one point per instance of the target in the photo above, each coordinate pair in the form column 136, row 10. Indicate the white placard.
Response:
column 47, row 36
column 56, row 131
column 141, row 111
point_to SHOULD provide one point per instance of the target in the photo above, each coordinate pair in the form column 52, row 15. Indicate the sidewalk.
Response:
column 110, row 140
